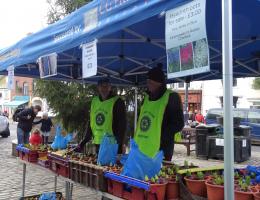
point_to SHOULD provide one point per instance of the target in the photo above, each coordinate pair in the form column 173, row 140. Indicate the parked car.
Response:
column 4, row 126
column 249, row 117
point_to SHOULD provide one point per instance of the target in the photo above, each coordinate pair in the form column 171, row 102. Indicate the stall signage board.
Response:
column 89, row 59
column 244, row 143
column 219, row 142
column 10, row 83
column 48, row 65
column 186, row 40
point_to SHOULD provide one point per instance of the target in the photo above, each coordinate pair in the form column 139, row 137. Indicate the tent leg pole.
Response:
column 55, row 183
column 186, row 114
column 135, row 120
column 227, row 60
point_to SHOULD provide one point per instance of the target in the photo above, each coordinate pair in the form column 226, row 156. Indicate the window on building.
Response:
column 25, row 89
column 6, row 95
column 181, row 85
column 16, row 84
column 234, row 82
column 1, row 95
column 34, row 85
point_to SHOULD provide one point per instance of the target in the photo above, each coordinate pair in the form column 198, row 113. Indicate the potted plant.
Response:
column 256, row 195
column 242, row 190
column 157, row 188
column 173, row 188
column 215, row 187
column 196, row 183
column 42, row 151
column 237, row 175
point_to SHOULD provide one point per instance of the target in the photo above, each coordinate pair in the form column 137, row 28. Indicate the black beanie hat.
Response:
column 103, row 81
column 156, row 74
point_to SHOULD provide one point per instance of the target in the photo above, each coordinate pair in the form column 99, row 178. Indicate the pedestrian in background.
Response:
column 199, row 117
column 25, row 122
column 46, row 125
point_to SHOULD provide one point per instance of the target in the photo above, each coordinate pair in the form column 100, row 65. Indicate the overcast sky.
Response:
column 20, row 17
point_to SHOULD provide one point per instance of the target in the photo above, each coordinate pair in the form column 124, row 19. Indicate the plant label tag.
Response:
column 243, row 143
column 219, row 142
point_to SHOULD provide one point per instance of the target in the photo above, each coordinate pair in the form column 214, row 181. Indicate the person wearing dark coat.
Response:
column 161, row 116
column 25, row 122
column 109, row 109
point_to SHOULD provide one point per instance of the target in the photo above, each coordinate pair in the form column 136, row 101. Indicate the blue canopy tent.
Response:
column 131, row 39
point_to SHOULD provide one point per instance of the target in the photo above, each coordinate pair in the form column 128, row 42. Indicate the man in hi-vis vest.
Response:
column 161, row 116
column 107, row 115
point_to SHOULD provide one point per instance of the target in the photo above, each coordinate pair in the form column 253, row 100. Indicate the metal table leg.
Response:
column 67, row 190
column 71, row 189
column 55, row 183
column 23, row 185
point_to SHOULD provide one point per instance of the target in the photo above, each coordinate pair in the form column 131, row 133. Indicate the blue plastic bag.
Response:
column 61, row 142
column 123, row 159
column 107, row 151
column 253, row 169
column 256, row 170
column 138, row 165
column 48, row 196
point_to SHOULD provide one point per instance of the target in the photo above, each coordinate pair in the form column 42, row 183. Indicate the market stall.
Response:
column 130, row 39
column 174, row 181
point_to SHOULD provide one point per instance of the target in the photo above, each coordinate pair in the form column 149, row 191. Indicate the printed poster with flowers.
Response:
column 186, row 40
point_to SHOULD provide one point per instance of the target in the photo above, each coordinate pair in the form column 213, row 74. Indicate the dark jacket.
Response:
column 173, row 120
column 118, row 126
column 46, row 124
column 24, row 123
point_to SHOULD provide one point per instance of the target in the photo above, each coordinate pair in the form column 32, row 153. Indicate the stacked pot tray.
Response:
column 59, row 164
column 27, row 154
column 130, row 188
column 88, row 174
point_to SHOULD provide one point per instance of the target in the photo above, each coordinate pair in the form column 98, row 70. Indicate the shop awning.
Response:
column 17, row 101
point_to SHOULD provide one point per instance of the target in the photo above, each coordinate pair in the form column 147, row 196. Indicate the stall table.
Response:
column 68, row 182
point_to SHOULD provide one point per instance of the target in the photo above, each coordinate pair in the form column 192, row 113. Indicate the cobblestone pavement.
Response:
column 38, row 181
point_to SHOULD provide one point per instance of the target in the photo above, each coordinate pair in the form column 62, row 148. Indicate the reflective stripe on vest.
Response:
column 148, row 133
column 101, row 118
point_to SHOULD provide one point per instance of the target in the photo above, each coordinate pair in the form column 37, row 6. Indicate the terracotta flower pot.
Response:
column 257, row 187
column 172, row 190
column 254, row 189
column 256, row 196
column 42, row 154
column 240, row 195
column 196, row 187
column 215, row 192
column 157, row 192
